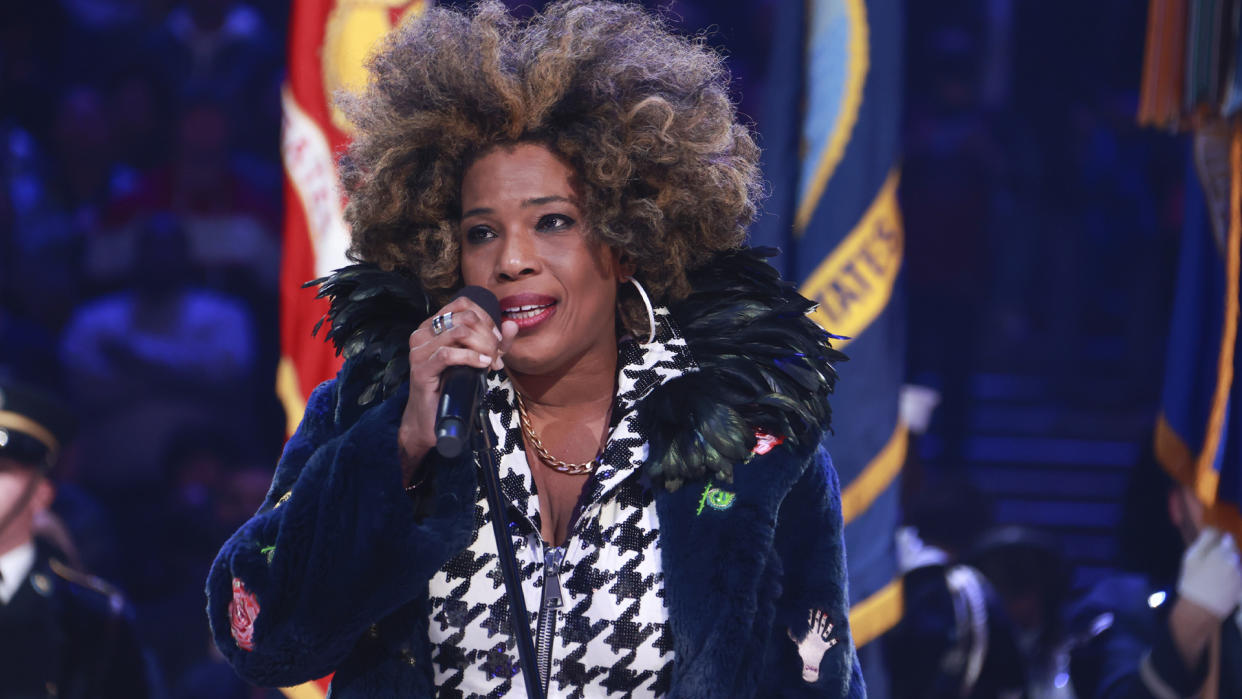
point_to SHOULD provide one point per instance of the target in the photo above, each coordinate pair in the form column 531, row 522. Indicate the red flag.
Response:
column 329, row 41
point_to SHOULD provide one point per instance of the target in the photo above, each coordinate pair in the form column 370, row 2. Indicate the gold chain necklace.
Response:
column 555, row 463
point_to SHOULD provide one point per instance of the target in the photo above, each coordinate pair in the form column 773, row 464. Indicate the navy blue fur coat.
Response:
column 337, row 561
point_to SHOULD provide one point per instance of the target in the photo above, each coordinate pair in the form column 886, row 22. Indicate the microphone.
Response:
column 461, row 386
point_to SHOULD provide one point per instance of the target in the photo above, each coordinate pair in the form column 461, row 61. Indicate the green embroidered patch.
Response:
column 268, row 551
column 715, row 498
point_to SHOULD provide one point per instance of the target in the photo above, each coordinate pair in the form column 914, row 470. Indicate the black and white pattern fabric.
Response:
column 610, row 636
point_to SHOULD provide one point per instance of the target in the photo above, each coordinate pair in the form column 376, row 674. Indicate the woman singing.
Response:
column 655, row 395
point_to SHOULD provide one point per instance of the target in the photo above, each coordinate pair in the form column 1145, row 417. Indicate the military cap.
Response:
column 34, row 424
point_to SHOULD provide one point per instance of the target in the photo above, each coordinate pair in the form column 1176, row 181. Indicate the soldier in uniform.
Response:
column 62, row 633
column 1170, row 625
column 955, row 639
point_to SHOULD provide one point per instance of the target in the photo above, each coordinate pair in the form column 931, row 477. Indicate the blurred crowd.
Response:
column 140, row 210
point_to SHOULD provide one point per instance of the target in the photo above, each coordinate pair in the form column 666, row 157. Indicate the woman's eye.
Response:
column 554, row 222
column 477, row 234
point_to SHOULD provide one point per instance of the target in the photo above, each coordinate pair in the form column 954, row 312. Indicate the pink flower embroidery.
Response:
column 765, row 442
column 243, row 610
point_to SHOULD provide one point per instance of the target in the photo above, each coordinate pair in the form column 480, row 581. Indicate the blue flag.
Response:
column 830, row 132
column 1199, row 431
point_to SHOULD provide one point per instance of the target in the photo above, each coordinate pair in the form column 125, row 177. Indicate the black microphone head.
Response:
column 483, row 299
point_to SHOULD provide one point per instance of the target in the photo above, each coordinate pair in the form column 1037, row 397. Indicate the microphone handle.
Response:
column 459, row 395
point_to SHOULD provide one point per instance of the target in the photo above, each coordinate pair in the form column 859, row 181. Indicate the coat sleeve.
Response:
column 1134, row 657
column 812, row 653
column 336, row 546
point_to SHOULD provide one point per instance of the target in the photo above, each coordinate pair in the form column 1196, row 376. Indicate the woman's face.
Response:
column 523, row 237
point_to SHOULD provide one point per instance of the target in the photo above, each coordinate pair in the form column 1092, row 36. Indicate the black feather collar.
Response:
column 763, row 364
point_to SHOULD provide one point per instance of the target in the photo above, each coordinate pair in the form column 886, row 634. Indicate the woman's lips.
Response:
column 527, row 310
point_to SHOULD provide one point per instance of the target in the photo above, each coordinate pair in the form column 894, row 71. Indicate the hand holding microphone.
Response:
column 448, row 354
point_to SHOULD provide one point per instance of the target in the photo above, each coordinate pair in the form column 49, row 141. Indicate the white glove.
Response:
column 1212, row 573
column 916, row 404
column 913, row 553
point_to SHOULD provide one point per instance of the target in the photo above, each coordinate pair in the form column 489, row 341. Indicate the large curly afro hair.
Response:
column 667, row 173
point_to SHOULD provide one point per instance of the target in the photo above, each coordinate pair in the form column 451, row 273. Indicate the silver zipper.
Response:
column 549, row 606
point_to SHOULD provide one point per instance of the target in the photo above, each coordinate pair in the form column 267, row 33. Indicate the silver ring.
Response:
column 442, row 322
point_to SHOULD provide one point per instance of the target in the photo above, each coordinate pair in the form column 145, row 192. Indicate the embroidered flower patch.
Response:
column 243, row 610
column 765, row 442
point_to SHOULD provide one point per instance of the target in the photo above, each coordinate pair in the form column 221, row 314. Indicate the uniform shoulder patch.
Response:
column 116, row 601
